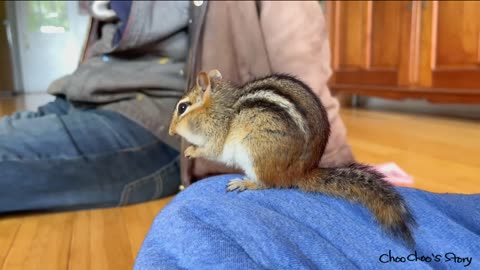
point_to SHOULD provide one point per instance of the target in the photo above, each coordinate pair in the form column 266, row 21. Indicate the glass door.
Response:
column 50, row 38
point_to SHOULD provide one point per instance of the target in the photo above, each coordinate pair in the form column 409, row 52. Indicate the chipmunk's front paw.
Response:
column 236, row 184
column 243, row 184
column 191, row 152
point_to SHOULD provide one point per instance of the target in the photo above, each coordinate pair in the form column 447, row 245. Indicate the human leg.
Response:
column 60, row 157
column 206, row 226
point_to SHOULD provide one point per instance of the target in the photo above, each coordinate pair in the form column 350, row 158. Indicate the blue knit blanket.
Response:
column 205, row 227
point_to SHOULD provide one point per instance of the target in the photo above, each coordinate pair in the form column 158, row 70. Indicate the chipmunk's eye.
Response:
column 182, row 107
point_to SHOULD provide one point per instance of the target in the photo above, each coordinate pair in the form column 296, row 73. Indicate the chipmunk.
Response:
column 276, row 129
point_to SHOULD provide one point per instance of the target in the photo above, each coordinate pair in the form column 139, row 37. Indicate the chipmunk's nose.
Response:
column 171, row 131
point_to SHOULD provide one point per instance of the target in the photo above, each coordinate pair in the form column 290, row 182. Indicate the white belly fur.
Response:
column 190, row 137
column 235, row 154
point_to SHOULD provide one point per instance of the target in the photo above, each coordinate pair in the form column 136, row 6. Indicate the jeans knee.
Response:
column 161, row 183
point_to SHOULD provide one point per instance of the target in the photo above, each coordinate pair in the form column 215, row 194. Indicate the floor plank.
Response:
column 136, row 217
column 109, row 241
column 80, row 251
column 43, row 241
column 19, row 252
column 9, row 228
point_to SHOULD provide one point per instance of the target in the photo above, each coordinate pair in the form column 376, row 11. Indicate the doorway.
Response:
column 49, row 37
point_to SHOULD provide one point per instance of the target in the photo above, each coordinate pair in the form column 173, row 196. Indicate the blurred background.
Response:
column 410, row 56
column 40, row 41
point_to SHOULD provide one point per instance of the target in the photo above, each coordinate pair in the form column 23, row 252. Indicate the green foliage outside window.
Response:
column 47, row 15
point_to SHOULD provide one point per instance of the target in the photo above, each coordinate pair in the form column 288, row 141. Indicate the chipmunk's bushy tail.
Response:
column 361, row 183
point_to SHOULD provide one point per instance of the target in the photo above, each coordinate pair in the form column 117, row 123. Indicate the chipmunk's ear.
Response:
column 204, row 84
column 203, row 81
column 215, row 74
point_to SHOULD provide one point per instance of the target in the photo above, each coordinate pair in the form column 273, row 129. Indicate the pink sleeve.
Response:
column 297, row 43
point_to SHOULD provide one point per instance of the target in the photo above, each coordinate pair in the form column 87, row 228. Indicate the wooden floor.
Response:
column 442, row 154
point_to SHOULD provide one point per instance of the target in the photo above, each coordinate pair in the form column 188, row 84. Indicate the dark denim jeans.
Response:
column 63, row 158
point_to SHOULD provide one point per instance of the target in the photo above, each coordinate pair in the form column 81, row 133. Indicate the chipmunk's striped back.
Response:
column 270, row 98
column 294, row 101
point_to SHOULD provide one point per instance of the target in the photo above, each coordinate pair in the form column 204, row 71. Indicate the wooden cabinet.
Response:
column 406, row 49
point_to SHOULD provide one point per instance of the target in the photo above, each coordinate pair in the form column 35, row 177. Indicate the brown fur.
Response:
column 360, row 183
column 276, row 129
